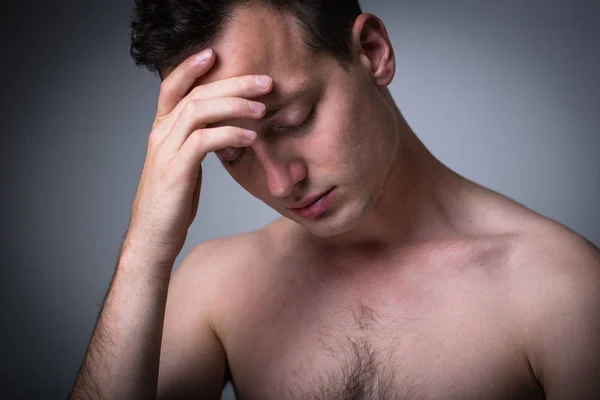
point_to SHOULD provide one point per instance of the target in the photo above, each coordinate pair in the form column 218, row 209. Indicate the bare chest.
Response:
column 364, row 353
column 377, row 337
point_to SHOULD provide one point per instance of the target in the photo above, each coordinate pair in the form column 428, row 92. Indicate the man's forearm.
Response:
column 123, row 354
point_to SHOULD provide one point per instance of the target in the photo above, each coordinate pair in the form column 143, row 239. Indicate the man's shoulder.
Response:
column 547, row 248
column 226, row 255
column 547, row 262
column 547, row 268
column 238, row 247
column 220, row 265
column 555, row 295
column 536, row 244
column 554, row 271
column 217, row 275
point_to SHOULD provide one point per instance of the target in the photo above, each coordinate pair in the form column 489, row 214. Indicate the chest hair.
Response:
column 361, row 369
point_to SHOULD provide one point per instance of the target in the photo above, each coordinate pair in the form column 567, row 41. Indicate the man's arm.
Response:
column 153, row 338
column 192, row 359
column 563, row 313
column 122, row 358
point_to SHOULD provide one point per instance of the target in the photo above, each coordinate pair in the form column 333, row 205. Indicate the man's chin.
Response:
column 328, row 224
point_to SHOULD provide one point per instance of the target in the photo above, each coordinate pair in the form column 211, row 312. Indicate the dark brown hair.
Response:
column 166, row 32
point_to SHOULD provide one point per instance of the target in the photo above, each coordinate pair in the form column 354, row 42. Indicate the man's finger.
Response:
column 179, row 82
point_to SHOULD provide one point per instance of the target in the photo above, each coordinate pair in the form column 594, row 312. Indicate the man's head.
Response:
column 330, row 66
column 164, row 33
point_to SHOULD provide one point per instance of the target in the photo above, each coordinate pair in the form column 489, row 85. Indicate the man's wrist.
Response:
column 137, row 257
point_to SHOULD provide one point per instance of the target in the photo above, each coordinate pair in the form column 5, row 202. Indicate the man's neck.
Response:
column 414, row 205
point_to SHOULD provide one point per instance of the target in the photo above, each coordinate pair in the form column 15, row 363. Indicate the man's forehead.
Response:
column 258, row 41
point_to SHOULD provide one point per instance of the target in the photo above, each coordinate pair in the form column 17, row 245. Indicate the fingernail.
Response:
column 203, row 56
column 263, row 81
column 257, row 107
column 249, row 134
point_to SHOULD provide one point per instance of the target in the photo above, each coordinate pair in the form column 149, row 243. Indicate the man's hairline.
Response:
column 298, row 24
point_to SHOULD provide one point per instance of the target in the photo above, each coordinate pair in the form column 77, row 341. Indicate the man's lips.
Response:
column 308, row 200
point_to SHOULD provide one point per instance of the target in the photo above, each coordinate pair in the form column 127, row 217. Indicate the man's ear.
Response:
column 371, row 43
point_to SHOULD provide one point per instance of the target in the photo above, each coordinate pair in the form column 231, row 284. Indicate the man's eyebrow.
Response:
column 273, row 107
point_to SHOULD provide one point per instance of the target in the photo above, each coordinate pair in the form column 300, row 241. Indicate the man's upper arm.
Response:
column 564, row 317
column 192, row 360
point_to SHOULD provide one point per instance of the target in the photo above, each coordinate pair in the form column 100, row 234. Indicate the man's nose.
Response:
column 281, row 173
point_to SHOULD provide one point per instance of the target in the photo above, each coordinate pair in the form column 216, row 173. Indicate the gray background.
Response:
column 504, row 92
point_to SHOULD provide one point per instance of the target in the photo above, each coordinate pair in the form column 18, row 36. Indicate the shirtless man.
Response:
column 404, row 281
